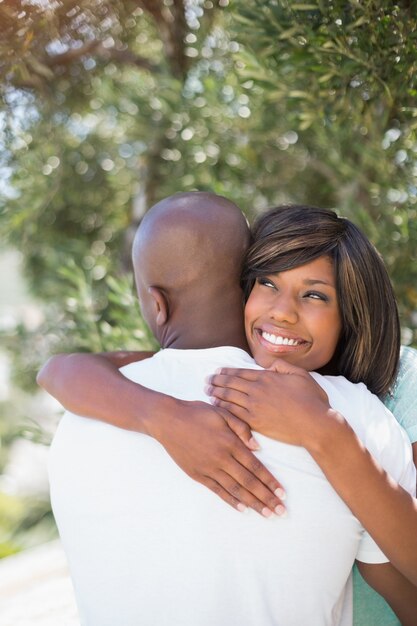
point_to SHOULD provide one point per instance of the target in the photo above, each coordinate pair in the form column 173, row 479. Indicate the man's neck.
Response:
column 217, row 322
column 184, row 344
column 202, row 336
column 203, row 341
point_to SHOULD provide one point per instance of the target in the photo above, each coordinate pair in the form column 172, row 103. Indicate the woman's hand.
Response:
column 283, row 402
column 213, row 448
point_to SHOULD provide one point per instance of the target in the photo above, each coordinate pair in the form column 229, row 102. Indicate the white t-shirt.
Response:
column 148, row 546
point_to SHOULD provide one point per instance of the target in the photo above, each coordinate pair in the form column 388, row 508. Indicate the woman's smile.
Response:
column 278, row 339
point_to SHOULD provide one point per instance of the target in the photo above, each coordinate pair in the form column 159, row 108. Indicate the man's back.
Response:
column 147, row 545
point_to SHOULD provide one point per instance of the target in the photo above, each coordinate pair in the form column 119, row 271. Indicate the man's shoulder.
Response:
column 375, row 426
column 221, row 356
column 341, row 385
column 360, row 407
column 182, row 373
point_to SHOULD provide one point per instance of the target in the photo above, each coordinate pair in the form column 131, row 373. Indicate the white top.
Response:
column 148, row 546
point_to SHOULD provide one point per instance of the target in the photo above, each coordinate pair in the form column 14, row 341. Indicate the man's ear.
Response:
column 159, row 306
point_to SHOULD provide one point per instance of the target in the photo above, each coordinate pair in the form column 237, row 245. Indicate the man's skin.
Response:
column 214, row 318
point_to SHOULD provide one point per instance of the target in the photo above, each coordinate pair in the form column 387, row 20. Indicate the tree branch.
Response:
column 74, row 54
column 172, row 27
column 96, row 48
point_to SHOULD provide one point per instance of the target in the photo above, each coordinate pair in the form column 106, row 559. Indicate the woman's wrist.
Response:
column 157, row 414
column 327, row 432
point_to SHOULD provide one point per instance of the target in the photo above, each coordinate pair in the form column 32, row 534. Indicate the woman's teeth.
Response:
column 277, row 340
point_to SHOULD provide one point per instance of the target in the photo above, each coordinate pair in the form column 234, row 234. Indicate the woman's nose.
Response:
column 284, row 309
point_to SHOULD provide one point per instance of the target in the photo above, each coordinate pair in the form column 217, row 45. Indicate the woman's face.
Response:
column 294, row 315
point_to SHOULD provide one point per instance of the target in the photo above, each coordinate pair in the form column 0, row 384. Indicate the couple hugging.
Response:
column 146, row 544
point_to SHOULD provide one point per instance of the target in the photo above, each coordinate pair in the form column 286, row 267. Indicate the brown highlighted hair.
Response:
column 289, row 236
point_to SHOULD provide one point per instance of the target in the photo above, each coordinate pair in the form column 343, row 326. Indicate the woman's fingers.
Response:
column 242, row 381
column 239, row 412
column 251, row 374
column 217, row 488
column 228, row 394
column 238, row 485
column 250, row 501
column 241, row 428
column 254, row 467
column 249, row 481
column 248, row 388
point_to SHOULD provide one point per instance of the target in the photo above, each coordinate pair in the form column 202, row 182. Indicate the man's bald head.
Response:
column 190, row 237
column 190, row 246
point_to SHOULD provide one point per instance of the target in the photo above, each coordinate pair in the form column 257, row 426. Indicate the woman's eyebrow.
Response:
column 318, row 281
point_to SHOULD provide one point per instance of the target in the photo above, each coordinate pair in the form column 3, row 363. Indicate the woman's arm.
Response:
column 291, row 407
column 211, row 446
column 386, row 510
column 91, row 385
column 399, row 593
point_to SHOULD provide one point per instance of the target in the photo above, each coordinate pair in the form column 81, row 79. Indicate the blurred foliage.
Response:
column 110, row 105
column 96, row 316
column 24, row 522
column 12, row 510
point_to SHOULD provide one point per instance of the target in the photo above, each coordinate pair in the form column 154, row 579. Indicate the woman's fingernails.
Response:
column 254, row 444
column 280, row 510
column 241, row 507
column 280, row 493
column 208, row 390
column 267, row 512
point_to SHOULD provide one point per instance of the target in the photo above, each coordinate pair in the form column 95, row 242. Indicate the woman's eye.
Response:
column 315, row 295
column 265, row 282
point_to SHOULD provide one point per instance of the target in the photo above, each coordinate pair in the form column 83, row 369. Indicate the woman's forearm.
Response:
column 387, row 512
column 400, row 594
column 91, row 385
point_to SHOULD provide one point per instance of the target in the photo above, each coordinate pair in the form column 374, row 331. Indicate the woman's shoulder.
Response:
column 406, row 379
column 408, row 359
column 402, row 400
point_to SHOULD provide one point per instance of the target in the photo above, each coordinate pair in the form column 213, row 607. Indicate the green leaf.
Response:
column 304, row 7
